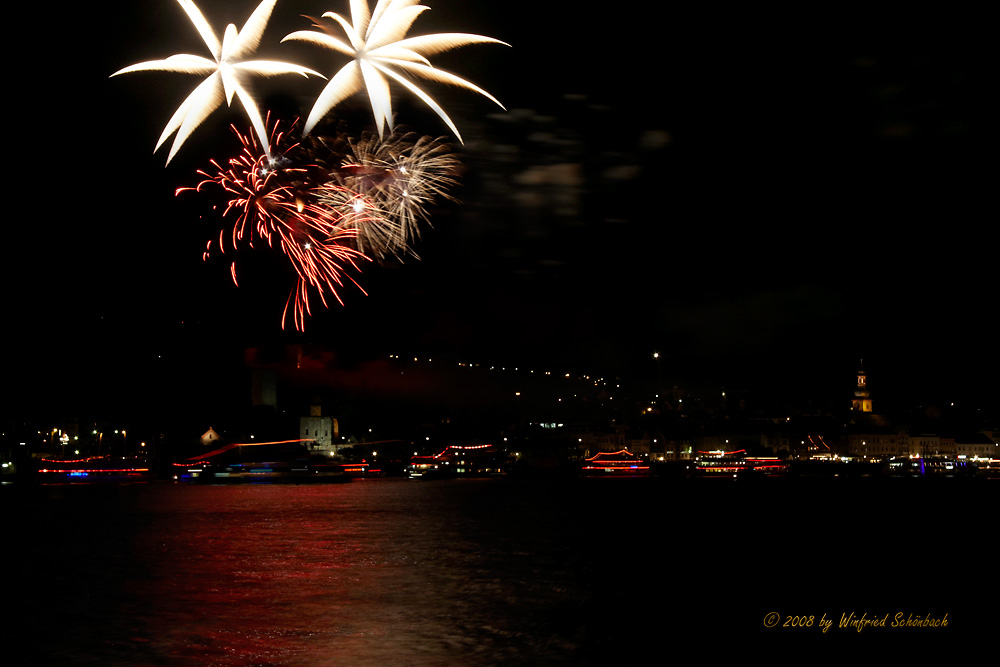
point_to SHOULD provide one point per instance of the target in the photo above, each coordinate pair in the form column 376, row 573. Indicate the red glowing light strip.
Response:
column 226, row 448
column 94, row 470
column 620, row 451
column 276, row 442
column 89, row 458
column 457, row 447
column 625, row 462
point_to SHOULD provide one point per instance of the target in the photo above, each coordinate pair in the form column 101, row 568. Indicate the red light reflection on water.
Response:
column 349, row 573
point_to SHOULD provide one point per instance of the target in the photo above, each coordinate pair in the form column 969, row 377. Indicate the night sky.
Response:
column 761, row 198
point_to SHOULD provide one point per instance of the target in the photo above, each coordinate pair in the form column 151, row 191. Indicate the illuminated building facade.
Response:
column 926, row 444
column 209, row 437
column 877, row 445
column 323, row 431
column 976, row 445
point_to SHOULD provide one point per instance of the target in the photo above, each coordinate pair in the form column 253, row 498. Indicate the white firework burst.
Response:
column 227, row 73
column 380, row 52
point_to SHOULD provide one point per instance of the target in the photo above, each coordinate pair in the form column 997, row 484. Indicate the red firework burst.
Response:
column 277, row 202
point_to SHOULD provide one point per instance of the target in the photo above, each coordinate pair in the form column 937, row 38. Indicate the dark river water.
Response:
column 485, row 572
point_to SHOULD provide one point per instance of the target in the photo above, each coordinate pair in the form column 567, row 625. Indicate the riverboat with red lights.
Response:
column 989, row 468
column 720, row 464
column 622, row 463
column 934, row 466
column 459, row 461
column 768, row 466
column 362, row 469
column 93, row 469
column 259, row 462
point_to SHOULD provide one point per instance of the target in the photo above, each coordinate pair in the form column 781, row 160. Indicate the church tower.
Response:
column 862, row 399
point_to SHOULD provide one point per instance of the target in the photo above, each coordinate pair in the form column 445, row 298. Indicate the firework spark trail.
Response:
column 330, row 204
column 255, row 181
column 400, row 177
column 275, row 203
column 319, row 267
column 376, row 234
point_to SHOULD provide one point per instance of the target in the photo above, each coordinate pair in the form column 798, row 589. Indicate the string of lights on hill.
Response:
column 550, row 388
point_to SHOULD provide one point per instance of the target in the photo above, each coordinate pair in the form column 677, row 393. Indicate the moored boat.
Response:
column 459, row 461
column 720, row 464
column 738, row 464
column 622, row 463
column 93, row 469
column 263, row 462
column 769, row 466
